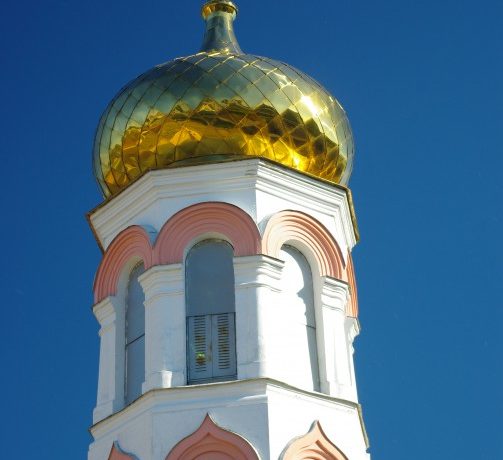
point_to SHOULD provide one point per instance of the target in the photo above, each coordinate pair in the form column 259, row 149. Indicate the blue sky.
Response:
column 422, row 85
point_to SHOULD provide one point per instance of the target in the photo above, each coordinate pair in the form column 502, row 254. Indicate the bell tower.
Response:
column 226, row 294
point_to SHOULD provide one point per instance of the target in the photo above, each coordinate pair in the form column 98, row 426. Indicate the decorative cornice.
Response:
column 217, row 180
column 113, row 215
column 334, row 293
column 312, row 193
column 255, row 387
column 162, row 280
column 257, row 271
column 353, row 328
column 105, row 312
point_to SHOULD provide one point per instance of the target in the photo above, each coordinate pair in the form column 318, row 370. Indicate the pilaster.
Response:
column 164, row 327
column 257, row 281
column 336, row 380
column 110, row 391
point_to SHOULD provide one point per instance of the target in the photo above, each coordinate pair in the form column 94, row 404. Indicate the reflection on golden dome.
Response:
column 218, row 105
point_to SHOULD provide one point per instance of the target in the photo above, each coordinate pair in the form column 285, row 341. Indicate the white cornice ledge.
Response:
column 352, row 328
column 257, row 271
column 334, row 293
column 309, row 192
column 163, row 398
column 113, row 216
column 162, row 280
column 221, row 179
column 105, row 312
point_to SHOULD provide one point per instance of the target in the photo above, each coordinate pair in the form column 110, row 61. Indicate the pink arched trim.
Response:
column 117, row 454
column 351, row 278
column 313, row 445
column 210, row 217
column 186, row 225
column 296, row 226
column 133, row 242
column 211, row 442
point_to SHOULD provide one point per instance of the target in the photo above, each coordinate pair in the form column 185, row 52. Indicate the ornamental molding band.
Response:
column 131, row 243
column 286, row 226
column 210, row 217
column 118, row 454
column 231, row 223
column 134, row 242
column 211, row 442
column 314, row 445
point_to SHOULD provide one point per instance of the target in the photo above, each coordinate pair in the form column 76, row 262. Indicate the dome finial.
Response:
column 219, row 36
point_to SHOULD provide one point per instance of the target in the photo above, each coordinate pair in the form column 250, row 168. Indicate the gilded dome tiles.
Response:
column 214, row 106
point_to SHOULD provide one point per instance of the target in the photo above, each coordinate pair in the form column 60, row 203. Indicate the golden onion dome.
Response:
column 217, row 105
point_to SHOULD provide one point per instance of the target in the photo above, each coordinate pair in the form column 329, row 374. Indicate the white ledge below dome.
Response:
column 259, row 187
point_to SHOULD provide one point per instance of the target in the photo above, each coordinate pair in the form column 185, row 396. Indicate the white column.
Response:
column 336, row 380
column 257, row 280
column 111, row 368
column 165, row 357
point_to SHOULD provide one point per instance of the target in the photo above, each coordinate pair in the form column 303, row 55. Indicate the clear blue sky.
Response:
column 422, row 85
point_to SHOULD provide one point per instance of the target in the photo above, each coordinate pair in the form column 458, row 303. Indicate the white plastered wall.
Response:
column 267, row 414
column 260, row 189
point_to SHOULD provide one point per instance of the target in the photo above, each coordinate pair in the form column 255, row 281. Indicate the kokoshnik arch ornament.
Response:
column 235, row 225
column 227, row 285
column 212, row 442
column 314, row 445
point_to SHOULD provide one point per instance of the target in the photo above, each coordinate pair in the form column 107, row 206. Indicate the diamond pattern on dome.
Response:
column 212, row 107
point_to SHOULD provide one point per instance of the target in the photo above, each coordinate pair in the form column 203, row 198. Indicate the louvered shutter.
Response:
column 199, row 343
column 223, row 345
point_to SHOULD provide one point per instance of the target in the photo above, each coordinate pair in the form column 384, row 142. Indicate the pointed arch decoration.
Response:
column 314, row 445
column 210, row 441
column 118, row 454
column 212, row 218
column 133, row 242
column 286, row 226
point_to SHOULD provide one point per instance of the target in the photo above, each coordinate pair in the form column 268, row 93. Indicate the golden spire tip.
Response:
column 219, row 36
column 212, row 6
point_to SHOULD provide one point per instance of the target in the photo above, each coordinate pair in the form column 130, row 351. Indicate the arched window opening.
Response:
column 299, row 342
column 209, row 291
column 135, row 336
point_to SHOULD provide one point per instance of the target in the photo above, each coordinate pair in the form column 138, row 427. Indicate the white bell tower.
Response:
column 226, row 295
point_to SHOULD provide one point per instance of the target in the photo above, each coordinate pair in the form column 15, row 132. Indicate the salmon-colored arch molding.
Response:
column 117, row 454
column 353, row 302
column 210, row 217
column 314, row 445
column 297, row 226
column 210, row 442
column 133, row 242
